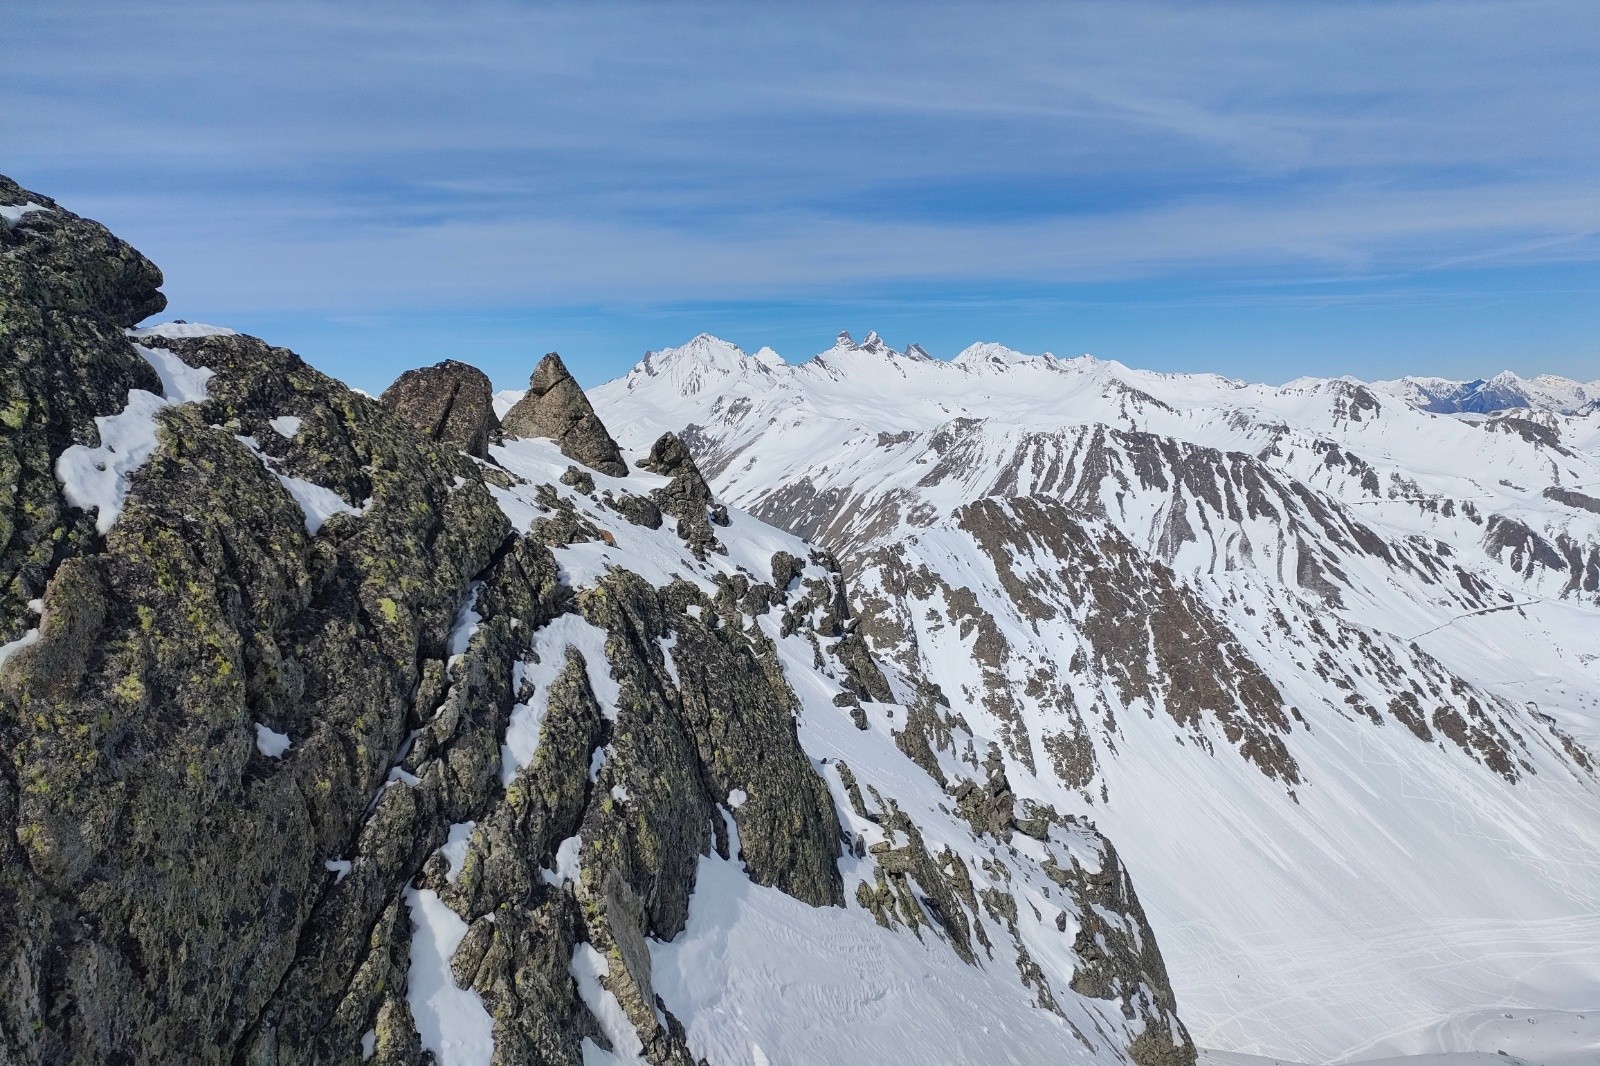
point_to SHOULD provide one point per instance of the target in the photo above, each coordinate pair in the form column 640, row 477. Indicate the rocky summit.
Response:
column 336, row 730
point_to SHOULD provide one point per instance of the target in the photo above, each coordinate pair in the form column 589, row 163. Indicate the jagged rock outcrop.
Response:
column 555, row 407
column 686, row 497
column 161, row 849
column 1121, row 960
column 450, row 402
column 301, row 730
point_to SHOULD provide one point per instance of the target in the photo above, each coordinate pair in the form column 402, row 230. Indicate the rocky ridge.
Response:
column 340, row 731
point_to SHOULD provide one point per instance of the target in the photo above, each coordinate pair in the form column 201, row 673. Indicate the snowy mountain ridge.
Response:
column 1503, row 391
column 1304, row 651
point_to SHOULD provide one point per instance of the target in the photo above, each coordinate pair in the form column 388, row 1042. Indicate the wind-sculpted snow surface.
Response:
column 338, row 731
column 1323, row 664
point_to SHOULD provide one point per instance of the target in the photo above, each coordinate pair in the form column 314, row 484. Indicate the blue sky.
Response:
column 1259, row 189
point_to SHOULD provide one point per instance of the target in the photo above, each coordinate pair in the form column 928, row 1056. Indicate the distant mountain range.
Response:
column 1323, row 661
column 1504, row 391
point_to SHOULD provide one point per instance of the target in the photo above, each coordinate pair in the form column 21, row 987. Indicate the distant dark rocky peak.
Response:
column 450, row 402
column 876, row 345
column 687, row 497
column 555, row 407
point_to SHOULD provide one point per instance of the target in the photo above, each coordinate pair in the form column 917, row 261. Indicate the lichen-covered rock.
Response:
column 450, row 402
column 687, row 497
column 578, row 479
column 146, row 804
column 556, row 407
column 640, row 510
column 67, row 289
column 74, row 266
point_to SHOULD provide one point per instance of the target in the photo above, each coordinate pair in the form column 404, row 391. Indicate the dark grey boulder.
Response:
column 556, row 407
column 450, row 402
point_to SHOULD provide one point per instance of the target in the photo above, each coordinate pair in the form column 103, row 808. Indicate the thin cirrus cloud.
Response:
column 336, row 159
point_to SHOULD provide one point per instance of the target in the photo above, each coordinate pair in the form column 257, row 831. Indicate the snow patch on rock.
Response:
column 317, row 502
column 451, row 1020
column 98, row 478
column 285, row 426
column 182, row 331
column 455, row 847
column 270, row 742
column 11, row 214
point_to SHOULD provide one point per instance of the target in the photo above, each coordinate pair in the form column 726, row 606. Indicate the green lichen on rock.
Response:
column 159, row 852
column 67, row 290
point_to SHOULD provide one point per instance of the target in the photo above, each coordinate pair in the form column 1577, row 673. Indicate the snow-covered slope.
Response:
column 1324, row 664
column 962, row 938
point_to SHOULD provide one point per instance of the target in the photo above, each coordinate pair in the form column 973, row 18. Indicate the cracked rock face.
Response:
column 556, row 407
column 332, row 717
column 451, row 403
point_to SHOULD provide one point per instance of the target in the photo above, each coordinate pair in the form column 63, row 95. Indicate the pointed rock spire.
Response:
column 844, row 340
column 451, row 402
column 556, row 407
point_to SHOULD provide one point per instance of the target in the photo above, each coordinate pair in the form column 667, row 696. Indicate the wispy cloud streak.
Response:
column 294, row 154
